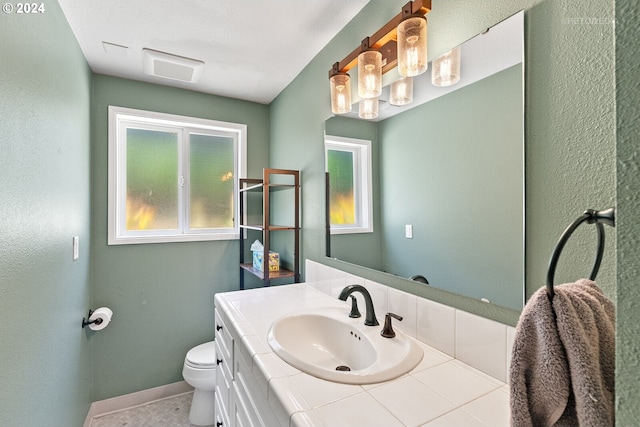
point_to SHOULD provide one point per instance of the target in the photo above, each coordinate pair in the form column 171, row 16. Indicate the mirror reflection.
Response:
column 435, row 189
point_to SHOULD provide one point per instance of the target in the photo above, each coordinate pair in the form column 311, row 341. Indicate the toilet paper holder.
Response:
column 96, row 321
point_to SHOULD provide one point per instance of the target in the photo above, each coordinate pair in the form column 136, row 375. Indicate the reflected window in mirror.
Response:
column 348, row 163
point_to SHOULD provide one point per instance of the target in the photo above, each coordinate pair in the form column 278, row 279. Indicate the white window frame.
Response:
column 363, row 184
column 119, row 117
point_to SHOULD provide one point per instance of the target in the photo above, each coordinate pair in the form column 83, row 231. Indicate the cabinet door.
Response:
column 224, row 342
column 242, row 410
column 222, row 414
column 223, row 379
column 224, row 364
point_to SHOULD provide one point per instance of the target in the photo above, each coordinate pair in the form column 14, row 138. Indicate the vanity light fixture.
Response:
column 445, row 69
column 401, row 91
column 404, row 36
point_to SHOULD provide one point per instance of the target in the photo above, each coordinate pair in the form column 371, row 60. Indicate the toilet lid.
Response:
column 202, row 356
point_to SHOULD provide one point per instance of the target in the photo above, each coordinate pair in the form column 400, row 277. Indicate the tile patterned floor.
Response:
column 170, row 412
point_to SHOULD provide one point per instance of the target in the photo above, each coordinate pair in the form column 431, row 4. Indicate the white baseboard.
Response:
column 119, row 403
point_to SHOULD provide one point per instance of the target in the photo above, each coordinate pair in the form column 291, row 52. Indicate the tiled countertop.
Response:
column 439, row 392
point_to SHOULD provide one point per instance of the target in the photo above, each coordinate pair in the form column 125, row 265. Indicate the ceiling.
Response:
column 251, row 49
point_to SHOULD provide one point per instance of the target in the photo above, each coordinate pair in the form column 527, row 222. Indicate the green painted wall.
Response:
column 45, row 356
column 161, row 294
column 628, row 206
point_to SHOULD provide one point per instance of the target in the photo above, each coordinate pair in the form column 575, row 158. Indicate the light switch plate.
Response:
column 76, row 247
column 408, row 231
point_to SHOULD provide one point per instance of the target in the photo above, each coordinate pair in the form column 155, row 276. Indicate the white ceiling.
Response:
column 252, row 49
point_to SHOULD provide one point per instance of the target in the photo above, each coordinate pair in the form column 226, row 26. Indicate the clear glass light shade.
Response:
column 340, row 93
column 368, row 108
column 445, row 69
column 412, row 46
column 401, row 91
column 370, row 74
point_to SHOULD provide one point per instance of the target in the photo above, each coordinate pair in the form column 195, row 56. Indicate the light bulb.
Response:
column 340, row 93
column 445, row 69
column 368, row 108
column 370, row 74
column 412, row 46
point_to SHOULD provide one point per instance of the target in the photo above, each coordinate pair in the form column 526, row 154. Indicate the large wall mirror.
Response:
column 447, row 177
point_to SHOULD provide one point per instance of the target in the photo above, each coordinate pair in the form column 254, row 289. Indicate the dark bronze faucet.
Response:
column 370, row 315
column 387, row 330
column 355, row 313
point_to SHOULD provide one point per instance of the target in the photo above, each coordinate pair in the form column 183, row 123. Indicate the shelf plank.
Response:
column 252, row 227
column 272, row 274
column 271, row 227
column 272, row 187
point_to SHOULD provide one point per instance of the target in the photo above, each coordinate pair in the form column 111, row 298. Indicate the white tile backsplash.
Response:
column 350, row 279
column 436, row 325
column 482, row 343
column 311, row 271
column 403, row 304
column 379, row 295
column 328, row 278
column 479, row 342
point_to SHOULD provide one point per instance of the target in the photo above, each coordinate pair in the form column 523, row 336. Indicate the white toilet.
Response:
column 199, row 371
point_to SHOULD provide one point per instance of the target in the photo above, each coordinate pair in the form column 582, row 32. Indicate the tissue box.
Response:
column 274, row 261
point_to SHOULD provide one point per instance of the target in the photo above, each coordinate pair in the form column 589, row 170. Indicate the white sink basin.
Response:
column 326, row 342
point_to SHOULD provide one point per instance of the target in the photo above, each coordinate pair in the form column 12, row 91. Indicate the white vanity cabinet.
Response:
column 224, row 371
column 240, row 401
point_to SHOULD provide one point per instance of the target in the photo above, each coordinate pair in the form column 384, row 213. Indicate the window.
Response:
column 348, row 162
column 172, row 178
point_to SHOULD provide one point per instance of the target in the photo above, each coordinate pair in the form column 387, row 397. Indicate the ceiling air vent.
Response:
column 169, row 66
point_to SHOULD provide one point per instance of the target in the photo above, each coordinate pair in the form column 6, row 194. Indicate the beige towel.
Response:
column 562, row 369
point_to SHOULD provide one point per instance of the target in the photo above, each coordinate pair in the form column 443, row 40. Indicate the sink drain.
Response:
column 342, row 368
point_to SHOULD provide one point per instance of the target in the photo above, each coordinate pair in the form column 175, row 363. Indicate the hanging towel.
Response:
column 562, row 364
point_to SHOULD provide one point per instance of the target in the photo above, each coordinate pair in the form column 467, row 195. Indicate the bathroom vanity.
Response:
column 255, row 387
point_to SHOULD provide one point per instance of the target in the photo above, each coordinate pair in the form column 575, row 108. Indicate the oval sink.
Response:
column 327, row 344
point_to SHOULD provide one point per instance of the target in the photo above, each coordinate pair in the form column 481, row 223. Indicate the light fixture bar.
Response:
column 384, row 35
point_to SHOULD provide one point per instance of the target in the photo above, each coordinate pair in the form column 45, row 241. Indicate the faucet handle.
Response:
column 387, row 330
column 354, row 307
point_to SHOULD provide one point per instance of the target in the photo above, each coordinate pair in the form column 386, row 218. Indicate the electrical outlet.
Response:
column 408, row 231
column 76, row 247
